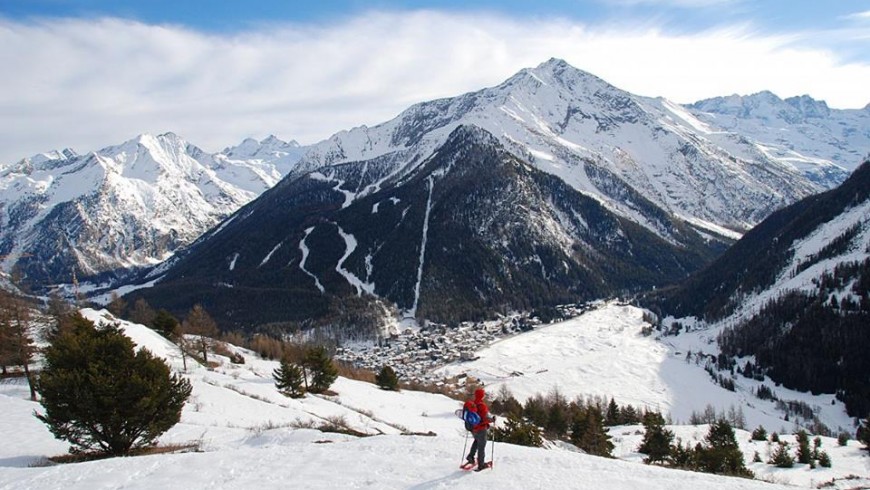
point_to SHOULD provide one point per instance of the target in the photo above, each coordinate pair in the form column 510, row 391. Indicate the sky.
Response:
column 92, row 73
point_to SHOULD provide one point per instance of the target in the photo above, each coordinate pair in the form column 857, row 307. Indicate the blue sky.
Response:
column 92, row 73
column 773, row 16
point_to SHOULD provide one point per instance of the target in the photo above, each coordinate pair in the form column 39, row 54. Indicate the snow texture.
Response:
column 249, row 438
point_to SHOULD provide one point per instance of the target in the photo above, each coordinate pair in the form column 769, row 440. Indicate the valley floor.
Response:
column 252, row 437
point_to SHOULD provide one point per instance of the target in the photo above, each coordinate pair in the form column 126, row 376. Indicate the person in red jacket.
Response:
column 479, row 431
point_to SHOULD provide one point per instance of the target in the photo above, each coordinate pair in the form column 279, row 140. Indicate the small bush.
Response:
column 843, row 438
column 781, row 457
column 518, row 431
column 387, row 379
column 824, row 459
column 759, row 434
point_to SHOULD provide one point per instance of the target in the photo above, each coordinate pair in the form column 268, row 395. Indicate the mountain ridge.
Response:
column 127, row 205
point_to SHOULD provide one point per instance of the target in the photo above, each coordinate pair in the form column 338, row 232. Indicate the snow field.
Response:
column 252, row 437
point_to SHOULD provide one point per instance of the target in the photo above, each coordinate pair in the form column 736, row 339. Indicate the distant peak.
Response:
column 766, row 96
column 809, row 106
column 554, row 63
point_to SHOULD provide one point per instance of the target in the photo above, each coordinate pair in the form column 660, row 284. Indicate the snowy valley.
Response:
column 248, row 435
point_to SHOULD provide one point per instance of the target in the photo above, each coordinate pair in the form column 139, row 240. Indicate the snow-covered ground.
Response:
column 252, row 437
column 604, row 353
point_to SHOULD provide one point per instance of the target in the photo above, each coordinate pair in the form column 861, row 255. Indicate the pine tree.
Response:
column 588, row 433
column 781, row 457
column 657, row 440
column 804, row 455
column 289, row 379
column 165, row 323
column 843, row 438
column 387, row 379
column 824, row 459
column 320, row 368
column 62, row 313
column 722, row 454
column 557, row 414
column 517, row 431
column 684, row 457
column 759, row 434
column 100, row 394
column 613, row 416
column 535, row 410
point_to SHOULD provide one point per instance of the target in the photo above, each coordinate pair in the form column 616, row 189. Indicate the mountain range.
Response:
column 125, row 206
column 793, row 295
column 552, row 186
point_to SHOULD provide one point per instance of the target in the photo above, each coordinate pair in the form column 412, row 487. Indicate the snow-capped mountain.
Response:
column 551, row 187
column 799, row 130
column 598, row 139
column 471, row 231
column 124, row 206
column 793, row 295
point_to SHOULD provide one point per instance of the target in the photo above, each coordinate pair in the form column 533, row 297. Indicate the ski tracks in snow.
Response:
column 350, row 245
column 413, row 311
column 304, row 249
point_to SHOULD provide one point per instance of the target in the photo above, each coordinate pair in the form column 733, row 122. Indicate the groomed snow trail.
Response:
column 413, row 311
column 304, row 249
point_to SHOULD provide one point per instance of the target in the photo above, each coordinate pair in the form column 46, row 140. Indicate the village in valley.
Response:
column 415, row 354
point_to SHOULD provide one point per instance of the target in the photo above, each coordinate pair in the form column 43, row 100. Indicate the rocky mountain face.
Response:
column 471, row 231
column 651, row 166
column 794, row 293
column 551, row 187
column 124, row 206
column 565, row 121
column 799, row 130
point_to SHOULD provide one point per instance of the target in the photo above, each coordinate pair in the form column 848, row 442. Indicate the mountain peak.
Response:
column 809, row 106
column 559, row 69
column 553, row 64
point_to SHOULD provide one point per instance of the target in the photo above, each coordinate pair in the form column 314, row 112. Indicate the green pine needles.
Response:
column 102, row 395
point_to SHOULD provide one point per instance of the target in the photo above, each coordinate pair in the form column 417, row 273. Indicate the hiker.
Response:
column 479, row 431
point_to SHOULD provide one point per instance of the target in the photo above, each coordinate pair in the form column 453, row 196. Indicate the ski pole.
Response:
column 464, row 445
column 492, row 461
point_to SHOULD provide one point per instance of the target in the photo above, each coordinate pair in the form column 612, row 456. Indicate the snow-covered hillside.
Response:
column 800, row 130
column 604, row 353
column 252, row 437
column 578, row 127
column 124, row 206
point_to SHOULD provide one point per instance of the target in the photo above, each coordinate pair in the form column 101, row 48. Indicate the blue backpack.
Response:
column 471, row 418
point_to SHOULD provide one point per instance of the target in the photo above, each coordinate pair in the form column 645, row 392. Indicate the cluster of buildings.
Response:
column 415, row 354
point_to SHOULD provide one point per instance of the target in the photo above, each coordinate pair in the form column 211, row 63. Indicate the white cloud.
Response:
column 672, row 3
column 860, row 15
column 88, row 84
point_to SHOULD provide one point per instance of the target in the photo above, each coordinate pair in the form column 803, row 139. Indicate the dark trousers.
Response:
column 479, row 446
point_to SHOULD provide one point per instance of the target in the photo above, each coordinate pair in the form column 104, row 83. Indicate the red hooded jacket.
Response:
column 479, row 406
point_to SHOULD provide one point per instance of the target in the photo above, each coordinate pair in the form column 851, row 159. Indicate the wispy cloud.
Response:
column 86, row 84
column 860, row 15
column 672, row 3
